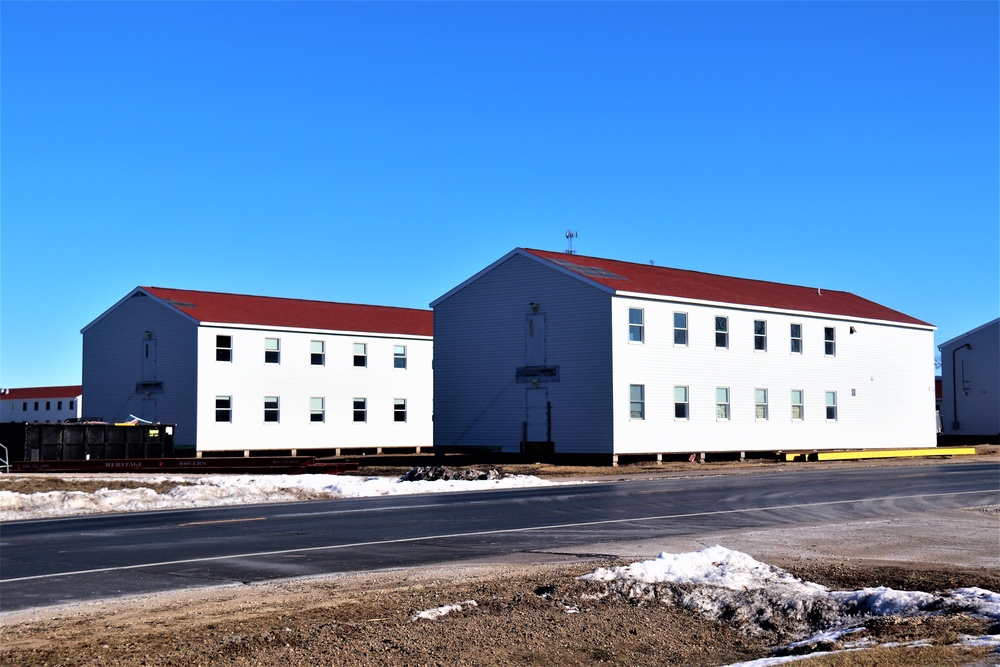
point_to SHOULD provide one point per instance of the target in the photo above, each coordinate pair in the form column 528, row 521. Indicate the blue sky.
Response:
column 385, row 152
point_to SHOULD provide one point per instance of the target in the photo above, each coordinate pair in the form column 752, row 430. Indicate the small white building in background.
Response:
column 41, row 404
column 239, row 373
column 970, row 385
column 544, row 351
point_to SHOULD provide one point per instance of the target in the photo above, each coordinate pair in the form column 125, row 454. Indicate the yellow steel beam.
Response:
column 894, row 453
column 858, row 454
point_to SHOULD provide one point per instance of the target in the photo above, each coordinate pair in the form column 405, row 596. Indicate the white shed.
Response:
column 241, row 373
column 587, row 356
column 970, row 385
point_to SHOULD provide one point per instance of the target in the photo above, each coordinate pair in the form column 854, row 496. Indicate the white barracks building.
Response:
column 240, row 373
column 569, row 354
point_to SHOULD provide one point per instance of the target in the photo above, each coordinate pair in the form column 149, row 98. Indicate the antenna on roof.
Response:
column 570, row 235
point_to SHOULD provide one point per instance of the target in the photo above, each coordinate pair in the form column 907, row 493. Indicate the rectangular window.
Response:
column 48, row 405
column 24, row 406
column 760, row 403
column 71, row 405
column 760, row 335
column 722, row 402
column 224, row 409
column 721, row 332
column 399, row 409
column 635, row 334
column 271, row 411
column 360, row 409
column 637, row 401
column 798, row 408
column 680, row 328
column 317, row 409
column 680, row 402
column 830, row 341
column 317, row 353
column 360, row 355
column 58, row 405
column 223, row 348
column 796, row 339
column 36, row 406
column 399, row 356
column 831, row 406
column 272, row 350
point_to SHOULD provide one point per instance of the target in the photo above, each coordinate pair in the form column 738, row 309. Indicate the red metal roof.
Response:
column 298, row 313
column 25, row 393
column 663, row 281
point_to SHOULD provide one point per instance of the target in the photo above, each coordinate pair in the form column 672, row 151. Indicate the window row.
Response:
column 637, row 333
column 317, row 352
column 682, row 406
column 317, row 409
column 48, row 405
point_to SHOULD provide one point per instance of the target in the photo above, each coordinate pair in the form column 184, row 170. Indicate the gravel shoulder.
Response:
column 530, row 610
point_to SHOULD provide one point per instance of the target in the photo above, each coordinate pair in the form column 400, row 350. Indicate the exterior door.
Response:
column 536, row 415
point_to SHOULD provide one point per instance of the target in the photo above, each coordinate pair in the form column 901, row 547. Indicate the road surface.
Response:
column 52, row 561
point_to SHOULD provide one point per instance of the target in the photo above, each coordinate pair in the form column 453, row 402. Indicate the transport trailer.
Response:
column 258, row 465
column 69, row 441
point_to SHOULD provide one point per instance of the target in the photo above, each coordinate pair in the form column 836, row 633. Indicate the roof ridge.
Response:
column 695, row 271
column 278, row 298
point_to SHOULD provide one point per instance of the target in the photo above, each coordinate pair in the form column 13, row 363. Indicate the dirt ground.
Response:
column 530, row 612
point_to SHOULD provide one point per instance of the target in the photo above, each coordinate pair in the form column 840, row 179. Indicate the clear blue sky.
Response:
column 384, row 152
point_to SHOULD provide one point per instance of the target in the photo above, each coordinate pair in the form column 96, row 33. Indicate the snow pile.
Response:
column 434, row 614
column 763, row 600
column 218, row 490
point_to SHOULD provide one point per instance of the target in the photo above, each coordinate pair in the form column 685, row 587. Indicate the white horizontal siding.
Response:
column 248, row 379
column 39, row 409
column 883, row 377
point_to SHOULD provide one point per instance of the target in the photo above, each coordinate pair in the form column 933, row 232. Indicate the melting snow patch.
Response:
column 763, row 600
column 220, row 490
column 434, row 614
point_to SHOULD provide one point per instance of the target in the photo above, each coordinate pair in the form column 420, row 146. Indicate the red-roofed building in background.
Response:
column 570, row 354
column 241, row 373
column 41, row 404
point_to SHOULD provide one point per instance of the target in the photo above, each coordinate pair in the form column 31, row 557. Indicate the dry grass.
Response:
column 44, row 484
column 925, row 656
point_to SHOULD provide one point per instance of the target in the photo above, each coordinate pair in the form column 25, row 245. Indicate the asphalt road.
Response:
column 52, row 561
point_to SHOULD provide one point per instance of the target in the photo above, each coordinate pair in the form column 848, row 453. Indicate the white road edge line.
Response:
column 480, row 532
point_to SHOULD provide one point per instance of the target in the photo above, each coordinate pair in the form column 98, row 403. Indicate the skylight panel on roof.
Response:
column 592, row 271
